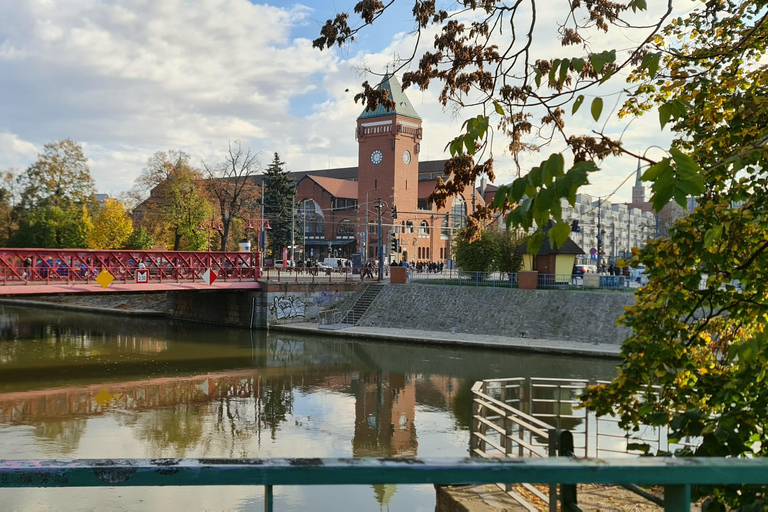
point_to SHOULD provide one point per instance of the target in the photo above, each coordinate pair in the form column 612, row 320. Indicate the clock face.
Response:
column 406, row 157
column 376, row 157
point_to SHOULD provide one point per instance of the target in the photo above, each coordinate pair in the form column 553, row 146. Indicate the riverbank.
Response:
column 484, row 341
column 154, row 304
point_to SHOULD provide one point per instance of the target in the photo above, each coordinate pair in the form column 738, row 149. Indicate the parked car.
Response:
column 579, row 270
column 281, row 264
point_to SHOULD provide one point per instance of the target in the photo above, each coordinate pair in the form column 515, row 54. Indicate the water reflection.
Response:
column 99, row 386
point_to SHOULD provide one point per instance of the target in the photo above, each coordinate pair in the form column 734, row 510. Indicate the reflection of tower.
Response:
column 384, row 416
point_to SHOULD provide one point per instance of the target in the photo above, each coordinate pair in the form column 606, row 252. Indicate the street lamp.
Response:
column 208, row 226
column 263, row 228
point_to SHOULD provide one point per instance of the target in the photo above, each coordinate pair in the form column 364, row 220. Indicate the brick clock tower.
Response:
column 388, row 168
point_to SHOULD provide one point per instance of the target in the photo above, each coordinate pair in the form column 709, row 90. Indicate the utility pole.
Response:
column 380, row 238
column 293, row 228
column 262, row 235
column 599, row 236
column 367, row 234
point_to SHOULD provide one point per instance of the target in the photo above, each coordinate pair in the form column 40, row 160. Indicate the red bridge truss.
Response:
column 143, row 268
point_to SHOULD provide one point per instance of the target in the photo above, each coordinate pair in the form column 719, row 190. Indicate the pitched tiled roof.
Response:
column 336, row 187
column 403, row 105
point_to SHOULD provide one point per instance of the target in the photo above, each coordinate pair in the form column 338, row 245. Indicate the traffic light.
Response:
column 575, row 226
column 394, row 211
column 393, row 243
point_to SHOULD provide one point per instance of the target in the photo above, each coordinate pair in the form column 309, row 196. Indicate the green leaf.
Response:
column 559, row 234
column 518, row 189
column 577, row 103
column 501, row 196
column 564, row 70
column 553, row 71
column 543, row 200
column 537, row 79
column 597, row 108
column 498, row 108
column 709, row 237
column 578, row 64
column 599, row 60
column 469, row 141
column 534, row 242
column 655, row 170
column 651, row 63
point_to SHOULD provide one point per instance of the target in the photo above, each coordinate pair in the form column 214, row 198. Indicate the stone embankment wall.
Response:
column 275, row 303
column 545, row 314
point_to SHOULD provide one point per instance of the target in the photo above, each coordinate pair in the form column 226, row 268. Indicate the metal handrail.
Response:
column 676, row 475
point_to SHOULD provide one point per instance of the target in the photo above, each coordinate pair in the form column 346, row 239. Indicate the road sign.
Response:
column 142, row 276
column 593, row 251
column 209, row 276
column 105, row 278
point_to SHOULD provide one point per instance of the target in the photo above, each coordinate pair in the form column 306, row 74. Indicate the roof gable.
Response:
column 337, row 188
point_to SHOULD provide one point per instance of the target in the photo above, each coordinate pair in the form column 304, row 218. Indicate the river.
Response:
column 81, row 385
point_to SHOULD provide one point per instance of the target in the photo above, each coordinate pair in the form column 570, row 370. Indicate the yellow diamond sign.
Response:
column 105, row 278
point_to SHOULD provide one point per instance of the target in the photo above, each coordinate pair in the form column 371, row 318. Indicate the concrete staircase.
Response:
column 362, row 304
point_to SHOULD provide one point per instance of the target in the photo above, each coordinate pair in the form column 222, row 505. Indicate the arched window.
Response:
column 409, row 226
column 311, row 219
column 345, row 229
column 445, row 231
column 458, row 213
column 424, row 228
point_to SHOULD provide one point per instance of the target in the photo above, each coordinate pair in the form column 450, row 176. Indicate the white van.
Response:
column 335, row 262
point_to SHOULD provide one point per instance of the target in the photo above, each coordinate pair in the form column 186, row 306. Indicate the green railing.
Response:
column 676, row 475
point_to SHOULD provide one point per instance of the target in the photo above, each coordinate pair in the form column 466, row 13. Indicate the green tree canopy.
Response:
column 279, row 193
column 60, row 177
column 177, row 205
column 55, row 228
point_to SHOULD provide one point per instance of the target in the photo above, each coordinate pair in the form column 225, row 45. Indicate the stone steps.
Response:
column 362, row 304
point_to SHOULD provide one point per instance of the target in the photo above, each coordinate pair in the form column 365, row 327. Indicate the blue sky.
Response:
column 129, row 78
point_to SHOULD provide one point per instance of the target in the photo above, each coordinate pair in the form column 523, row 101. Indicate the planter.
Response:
column 398, row 275
column 528, row 280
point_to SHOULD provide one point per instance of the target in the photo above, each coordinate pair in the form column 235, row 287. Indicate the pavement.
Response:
column 458, row 339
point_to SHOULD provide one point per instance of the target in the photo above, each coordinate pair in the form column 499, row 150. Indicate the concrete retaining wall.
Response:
column 275, row 303
column 544, row 314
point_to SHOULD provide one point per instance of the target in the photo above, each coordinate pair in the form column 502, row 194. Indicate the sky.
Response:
column 126, row 79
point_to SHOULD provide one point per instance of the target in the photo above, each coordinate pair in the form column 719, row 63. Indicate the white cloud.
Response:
column 130, row 78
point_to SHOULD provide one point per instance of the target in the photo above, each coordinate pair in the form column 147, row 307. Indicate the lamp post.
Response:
column 208, row 226
column 263, row 227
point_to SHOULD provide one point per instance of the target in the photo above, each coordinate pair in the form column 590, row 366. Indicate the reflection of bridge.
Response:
column 34, row 271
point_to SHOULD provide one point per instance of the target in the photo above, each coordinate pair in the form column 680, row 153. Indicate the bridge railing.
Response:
column 45, row 266
column 676, row 475
column 318, row 275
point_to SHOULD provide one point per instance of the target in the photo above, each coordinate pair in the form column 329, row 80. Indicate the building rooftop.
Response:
column 336, row 187
column 403, row 105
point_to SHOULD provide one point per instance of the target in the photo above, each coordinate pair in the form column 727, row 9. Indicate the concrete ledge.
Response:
column 462, row 339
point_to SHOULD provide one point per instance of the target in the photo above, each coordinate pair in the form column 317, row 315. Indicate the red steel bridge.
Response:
column 34, row 271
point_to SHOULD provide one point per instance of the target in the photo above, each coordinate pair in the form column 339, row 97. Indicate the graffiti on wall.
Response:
column 287, row 307
column 325, row 298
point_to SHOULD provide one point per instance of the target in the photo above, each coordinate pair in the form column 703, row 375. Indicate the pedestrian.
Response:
column 27, row 267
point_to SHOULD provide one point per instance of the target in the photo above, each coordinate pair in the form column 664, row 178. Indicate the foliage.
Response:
column 177, row 205
column 232, row 187
column 55, row 228
column 480, row 255
column 60, row 177
column 699, row 325
column 140, row 240
column 279, row 194
column 8, row 214
column 111, row 226
column 493, row 251
column 509, row 260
